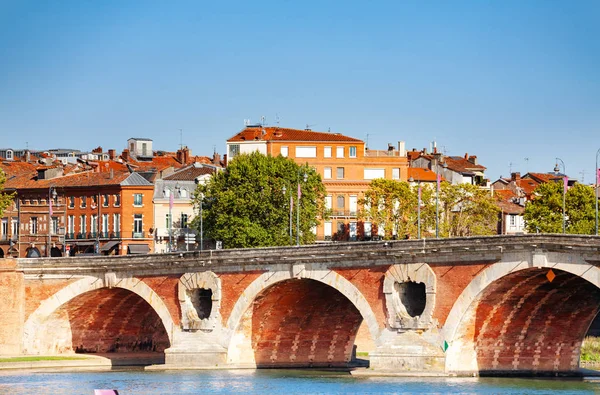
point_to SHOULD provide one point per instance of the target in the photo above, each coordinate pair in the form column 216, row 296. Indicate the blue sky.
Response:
column 503, row 80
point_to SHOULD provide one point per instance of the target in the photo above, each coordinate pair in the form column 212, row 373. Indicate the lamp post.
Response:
column 437, row 195
column 596, row 190
column 411, row 179
column 51, row 195
column 556, row 170
column 290, row 227
column 298, row 207
column 201, row 224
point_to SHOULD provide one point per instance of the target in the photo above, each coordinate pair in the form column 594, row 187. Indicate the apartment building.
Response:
column 345, row 164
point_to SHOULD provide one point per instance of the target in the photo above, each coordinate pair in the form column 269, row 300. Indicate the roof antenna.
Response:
column 582, row 172
column 277, row 119
column 262, row 120
column 180, row 138
column 510, row 165
column 526, row 164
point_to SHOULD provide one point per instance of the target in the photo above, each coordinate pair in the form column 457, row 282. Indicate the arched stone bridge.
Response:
column 487, row 305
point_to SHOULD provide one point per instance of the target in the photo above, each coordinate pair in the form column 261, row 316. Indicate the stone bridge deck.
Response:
column 487, row 305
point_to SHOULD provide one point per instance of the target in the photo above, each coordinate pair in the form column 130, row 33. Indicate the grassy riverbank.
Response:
column 590, row 349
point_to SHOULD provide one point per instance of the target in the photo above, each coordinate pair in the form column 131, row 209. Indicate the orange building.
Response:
column 345, row 164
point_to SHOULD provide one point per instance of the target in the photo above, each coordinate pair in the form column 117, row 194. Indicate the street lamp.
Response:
column 565, row 180
column 51, row 195
column 298, row 207
column 291, row 203
column 171, row 202
column 437, row 194
column 201, row 196
column 597, row 182
column 411, row 179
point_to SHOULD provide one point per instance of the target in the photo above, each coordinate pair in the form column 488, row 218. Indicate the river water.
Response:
column 281, row 382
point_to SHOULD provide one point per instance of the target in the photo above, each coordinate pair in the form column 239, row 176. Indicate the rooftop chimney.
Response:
column 516, row 176
column 401, row 148
column 473, row 159
column 125, row 154
column 111, row 154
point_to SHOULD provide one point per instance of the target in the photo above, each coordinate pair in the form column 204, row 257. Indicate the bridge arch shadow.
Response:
column 89, row 317
column 310, row 319
column 519, row 319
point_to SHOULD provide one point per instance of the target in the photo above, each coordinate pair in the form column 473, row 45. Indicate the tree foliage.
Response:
column 246, row 205
column 6, row 199
column 544, row 212
column 464, row 209
column 467, row 211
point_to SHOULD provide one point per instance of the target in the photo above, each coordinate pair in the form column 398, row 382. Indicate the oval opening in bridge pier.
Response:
column 202, row 300
column 413, row 297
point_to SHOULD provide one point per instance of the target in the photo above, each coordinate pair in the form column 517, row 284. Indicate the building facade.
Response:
column 345, row 164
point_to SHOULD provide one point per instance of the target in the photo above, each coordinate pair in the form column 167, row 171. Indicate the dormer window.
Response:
column 166, row 192
column 183, row 193
column 9, row 154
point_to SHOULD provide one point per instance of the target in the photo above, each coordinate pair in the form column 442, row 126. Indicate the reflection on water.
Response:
column 283, row 382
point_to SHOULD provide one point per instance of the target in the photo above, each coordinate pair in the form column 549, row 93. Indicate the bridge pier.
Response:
column 195, row 350
column 408, row 351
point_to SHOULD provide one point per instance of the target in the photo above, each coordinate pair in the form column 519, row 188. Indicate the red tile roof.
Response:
column 423, row 175
column 272, row 133
column 190, row 173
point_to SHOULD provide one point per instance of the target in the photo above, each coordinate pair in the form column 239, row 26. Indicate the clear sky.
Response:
column 503, row 80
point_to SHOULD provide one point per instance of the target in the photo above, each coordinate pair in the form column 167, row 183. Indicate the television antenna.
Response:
column 180, row 138
column 582, row 172
column 526, row 164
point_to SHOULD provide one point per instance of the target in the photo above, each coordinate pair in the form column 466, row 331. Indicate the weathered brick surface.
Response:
column 113, row 320
column 11, row 308
column 232, row 287
column 166, row 287
column 303, row 323
column 452, row 279
column 36, row 291
column 525, row 322
column 370, row 283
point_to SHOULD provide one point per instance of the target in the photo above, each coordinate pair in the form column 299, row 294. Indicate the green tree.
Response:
column 390, row 205
column 467, row 210
column 248, row 204
column 6, row 199
column 544, row 212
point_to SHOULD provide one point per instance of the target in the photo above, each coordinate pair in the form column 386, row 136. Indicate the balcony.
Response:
column 92, row 235
column 115, row 235
column 137, row 235
column 80, row 236
column 70, row 235
column 104, row 235
column 337, row 213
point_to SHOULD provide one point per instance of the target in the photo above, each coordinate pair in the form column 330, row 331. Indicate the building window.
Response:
column 339, row 152
column 14, row 224
column 82, row 225
column 83, row 201
column 234, row 150
column 340, row 173
column 327, row 152
column 71, row 201
column 284, row 152
column 144, row 149
column 183, row 193
column 138, row 226
column 116, row 223
column 353, row 204
column 352, row 152
column 94, row 224
column 327, row 172
column 168, row 221
column 184, row 220
column 327, row 230
column 371, row 174
column 328, row 202
column 117, row 200
column 340, row 201
column 9, row 155
column 166, row 192
column 513, row 220
column 4, row 228
column 137, row 199
column 94, row 200
column 54, row 226
column 104, row 224
column 71, row 225
column 306, row 152
column 105, row 200
column 395, row 174
column 34, row 225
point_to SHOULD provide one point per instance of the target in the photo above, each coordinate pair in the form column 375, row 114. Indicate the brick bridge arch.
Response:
column 240, row 350
column 90, row 284
column 518, row 317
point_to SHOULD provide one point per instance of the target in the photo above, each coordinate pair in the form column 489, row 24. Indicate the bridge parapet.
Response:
column 355, row 254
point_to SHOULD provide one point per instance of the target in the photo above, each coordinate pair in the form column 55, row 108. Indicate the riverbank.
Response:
column 95, row 361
